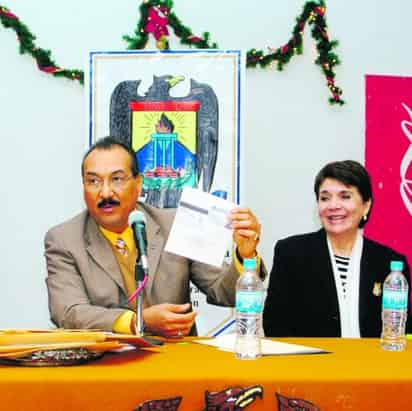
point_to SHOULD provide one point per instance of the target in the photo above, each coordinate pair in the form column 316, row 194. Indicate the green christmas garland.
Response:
column 157, row 15
column 313, row 14
column 27, row 45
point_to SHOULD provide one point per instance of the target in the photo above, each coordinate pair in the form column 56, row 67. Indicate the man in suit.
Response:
column 90, row 258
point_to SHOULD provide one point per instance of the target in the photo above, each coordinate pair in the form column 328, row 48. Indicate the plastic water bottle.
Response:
column 394, row 309
column 249, row 305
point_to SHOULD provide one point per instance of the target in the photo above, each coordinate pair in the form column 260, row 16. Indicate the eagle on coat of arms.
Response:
column 175, row 138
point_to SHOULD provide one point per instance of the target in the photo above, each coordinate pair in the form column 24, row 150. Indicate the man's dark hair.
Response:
column 107, row 143
column 350, row 173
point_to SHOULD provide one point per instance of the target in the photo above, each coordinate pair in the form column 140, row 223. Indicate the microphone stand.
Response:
column 140, row 276
column 141, row 271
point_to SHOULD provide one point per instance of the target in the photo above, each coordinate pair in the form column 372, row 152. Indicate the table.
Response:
column 356, row 375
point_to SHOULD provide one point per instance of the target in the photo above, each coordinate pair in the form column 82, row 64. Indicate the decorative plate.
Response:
column 53, row 357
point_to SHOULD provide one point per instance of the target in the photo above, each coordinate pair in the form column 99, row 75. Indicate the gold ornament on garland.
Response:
column 157, row 15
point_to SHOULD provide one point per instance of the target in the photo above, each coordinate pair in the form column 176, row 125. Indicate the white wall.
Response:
column 290, row 129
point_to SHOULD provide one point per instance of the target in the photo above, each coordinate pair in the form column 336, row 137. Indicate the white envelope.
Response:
column 201, row 230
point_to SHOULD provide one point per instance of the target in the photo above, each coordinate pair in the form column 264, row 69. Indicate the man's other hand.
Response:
column 169, row 320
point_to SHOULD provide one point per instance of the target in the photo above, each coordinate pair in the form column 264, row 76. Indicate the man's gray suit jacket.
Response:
column 85, row 283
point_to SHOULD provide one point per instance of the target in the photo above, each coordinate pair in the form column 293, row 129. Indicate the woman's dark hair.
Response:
column 107, row 143
column 350, row 173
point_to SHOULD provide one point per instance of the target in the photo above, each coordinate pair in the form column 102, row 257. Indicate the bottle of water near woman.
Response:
column 249, row 305
column 394, row 309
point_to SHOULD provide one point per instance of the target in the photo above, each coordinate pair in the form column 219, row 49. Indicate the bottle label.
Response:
column 394, row 300
column 249, row 302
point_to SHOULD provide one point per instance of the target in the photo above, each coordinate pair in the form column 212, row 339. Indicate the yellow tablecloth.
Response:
column 356, row 375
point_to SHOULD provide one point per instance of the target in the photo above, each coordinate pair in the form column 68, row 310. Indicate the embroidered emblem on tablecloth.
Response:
column 167, row 404
column 294, row 404
column 232, row 399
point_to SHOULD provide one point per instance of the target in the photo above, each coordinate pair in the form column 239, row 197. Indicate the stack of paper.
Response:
column 15, row 344
column 269, row 347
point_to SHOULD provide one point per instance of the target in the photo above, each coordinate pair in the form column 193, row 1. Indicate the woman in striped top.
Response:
column 328, row 283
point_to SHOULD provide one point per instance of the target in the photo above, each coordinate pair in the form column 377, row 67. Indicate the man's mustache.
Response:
column 108, row 202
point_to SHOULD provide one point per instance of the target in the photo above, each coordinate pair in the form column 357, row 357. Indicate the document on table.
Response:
column 226, row 342
column 201, row 230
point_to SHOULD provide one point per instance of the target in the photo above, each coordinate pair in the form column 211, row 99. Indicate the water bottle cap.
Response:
column 249, row 264
column 396, row 265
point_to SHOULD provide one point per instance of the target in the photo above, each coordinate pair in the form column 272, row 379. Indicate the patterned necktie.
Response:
column 121, row 247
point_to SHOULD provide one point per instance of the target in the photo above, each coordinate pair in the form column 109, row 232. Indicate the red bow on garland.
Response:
column 157, row 22
column 7, row 13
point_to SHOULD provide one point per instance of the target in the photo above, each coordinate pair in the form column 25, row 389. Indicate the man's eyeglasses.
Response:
column 115, row 182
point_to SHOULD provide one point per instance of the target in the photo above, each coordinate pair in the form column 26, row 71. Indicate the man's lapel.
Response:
column 101, row 252
column 155, row 242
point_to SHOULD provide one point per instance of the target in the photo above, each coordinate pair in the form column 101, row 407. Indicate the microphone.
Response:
column 137, row 221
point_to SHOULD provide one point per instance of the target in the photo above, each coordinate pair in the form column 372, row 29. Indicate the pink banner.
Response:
column 388, row 158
